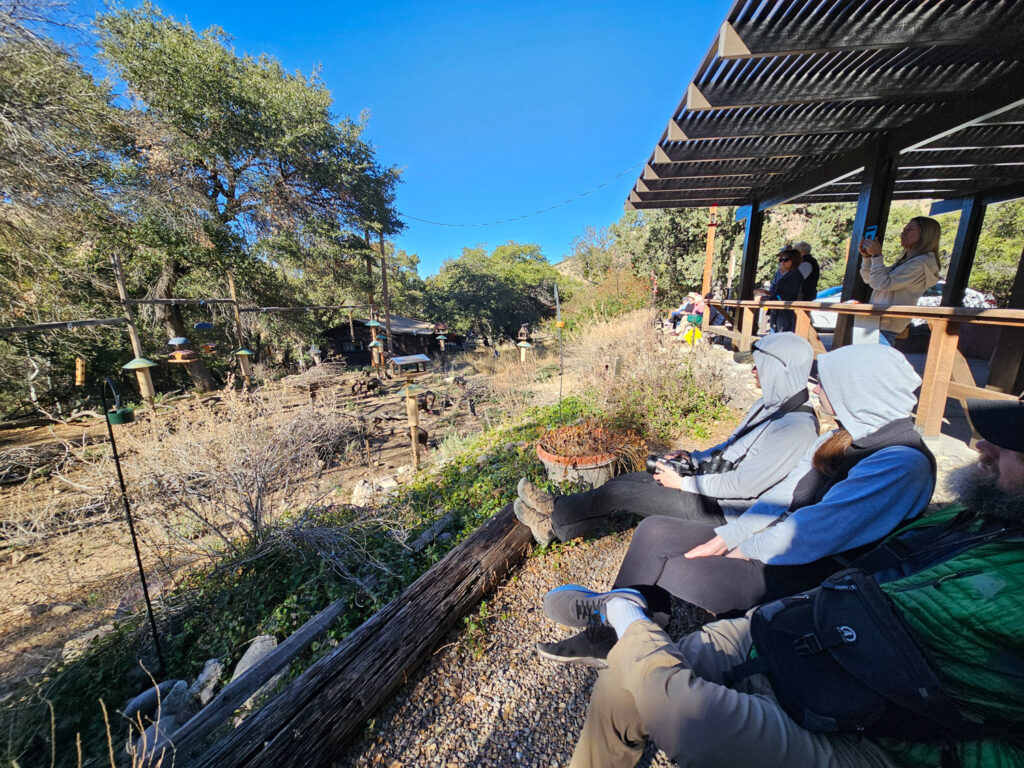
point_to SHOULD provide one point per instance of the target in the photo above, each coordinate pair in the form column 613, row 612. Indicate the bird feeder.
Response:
column 441, row 338
column 409, row 365
column 208, row 347
column 79, row 371
column 412, row 411
column 376, row 348
column 524, row 332
column 314, row 352
column 141, row 367
column 243, row 352
column 523, row 346
column 203, row 326
column 118, row 414
column 177, row 341
column 182, row 356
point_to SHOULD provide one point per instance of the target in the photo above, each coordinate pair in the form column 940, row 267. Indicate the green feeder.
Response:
column 118, row 414
column 440, row 337
column 695, row 319
column 411, row 389
column 373, row 324
column 524, row 345
column 377, row 343
column 138, row 363
column 243, row 352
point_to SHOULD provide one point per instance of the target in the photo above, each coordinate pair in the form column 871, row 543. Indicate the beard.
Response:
column 976, row 489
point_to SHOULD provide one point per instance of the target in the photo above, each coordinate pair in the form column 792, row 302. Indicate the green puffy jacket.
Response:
column 968, row 612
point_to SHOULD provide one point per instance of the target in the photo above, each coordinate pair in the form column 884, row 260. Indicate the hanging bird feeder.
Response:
column 177, row 341
column 138, row 364
column 523, row 346
column 208, row 347
column 183, row 356
column 373, row 324
column 118, row 414
column 203, row 326
column 243, row 352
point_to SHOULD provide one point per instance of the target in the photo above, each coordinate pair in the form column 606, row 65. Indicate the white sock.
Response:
column 621, row 613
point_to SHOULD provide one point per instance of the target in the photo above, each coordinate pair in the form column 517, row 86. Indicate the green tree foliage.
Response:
column 1000, row 249
column 492, row 293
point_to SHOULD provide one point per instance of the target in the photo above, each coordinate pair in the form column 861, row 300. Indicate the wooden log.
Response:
column 189, row 737
column 308, row 722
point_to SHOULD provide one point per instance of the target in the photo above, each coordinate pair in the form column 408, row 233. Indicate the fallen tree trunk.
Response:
column 308, row 722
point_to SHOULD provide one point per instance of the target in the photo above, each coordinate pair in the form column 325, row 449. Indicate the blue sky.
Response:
column 493, row 110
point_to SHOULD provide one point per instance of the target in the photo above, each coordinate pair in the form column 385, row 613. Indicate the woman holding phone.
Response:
column 904, row 282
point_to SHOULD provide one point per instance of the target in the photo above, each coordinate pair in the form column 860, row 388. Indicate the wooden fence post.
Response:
column 937, row 371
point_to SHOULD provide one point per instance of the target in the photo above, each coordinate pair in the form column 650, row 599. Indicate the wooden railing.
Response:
column 946, row 372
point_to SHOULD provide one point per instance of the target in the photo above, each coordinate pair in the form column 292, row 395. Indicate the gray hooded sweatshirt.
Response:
column 868, row 386
column 767, row 453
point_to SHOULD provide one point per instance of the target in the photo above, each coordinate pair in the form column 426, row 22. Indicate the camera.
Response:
column 683, row 468
column 715, row 465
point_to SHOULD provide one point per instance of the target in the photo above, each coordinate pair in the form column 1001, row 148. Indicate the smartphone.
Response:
column 871, row 232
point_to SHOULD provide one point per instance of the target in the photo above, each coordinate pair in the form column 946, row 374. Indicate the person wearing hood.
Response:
column 904, row 282
column 852, row 487
column 756, row 459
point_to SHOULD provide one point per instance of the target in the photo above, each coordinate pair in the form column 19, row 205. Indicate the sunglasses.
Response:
column 785, row 259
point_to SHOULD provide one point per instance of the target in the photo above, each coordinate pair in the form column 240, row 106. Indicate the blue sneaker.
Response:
column 574, row 606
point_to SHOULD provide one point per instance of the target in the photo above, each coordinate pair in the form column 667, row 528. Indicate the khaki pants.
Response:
column 672, row 693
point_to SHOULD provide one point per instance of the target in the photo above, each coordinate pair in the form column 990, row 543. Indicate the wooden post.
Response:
column 747, row 331
column 962, row 258
column 243, row 360
column 1006, row 372
column 413, row 412
column 873, row 201
column 142, row 375
column 384, row 290
column 709, row 255
column 938, row 368
column 351, row 328
column 751, row 251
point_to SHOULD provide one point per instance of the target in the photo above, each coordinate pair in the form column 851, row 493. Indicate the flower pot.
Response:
column 590, row 470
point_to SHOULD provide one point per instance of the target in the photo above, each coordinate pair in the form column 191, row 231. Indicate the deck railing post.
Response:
column 938, row 369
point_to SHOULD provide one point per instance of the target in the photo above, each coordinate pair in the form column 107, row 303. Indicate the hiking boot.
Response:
column 539, row 525
column 574, row 606
column 589, row 648
column 532, row 496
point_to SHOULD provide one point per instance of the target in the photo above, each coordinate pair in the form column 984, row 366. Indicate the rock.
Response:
column 482, row 459
column 145, row 703
column 508, row 447
column 175, row 699
column 205, row 686
column 260, row 648
column 61, row 610
column 405, row 469
column 446, row 536
column 387, row 483
column 143, row 751
column 362, row 494
column 76, row 647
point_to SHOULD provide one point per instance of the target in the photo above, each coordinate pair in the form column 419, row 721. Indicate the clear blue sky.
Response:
column 492, row 109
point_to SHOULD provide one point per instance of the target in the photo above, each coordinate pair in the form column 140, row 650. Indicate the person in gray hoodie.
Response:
column 904, row 282
column 756, row 459
column 852, row 487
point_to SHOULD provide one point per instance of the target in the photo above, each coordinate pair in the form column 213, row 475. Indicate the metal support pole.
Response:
column 384, row 290
column 131, row 525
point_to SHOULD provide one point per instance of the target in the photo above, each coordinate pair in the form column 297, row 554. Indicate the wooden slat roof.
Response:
column 795, row 95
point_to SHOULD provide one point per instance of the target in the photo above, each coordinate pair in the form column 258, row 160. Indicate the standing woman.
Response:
column 905, row 281
column 786, row 286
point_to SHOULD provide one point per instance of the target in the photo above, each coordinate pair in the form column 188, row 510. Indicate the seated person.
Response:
column 757, row 456
column 854, row 486
column 971, row 629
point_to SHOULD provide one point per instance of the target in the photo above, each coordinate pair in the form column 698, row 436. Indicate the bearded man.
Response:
column 956, row 579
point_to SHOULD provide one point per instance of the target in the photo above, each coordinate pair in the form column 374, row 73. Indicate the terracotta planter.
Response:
column 593, row 470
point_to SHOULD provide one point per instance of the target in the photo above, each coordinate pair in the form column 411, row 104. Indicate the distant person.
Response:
column 785, row 286
column 914, row 272
column 810, row 270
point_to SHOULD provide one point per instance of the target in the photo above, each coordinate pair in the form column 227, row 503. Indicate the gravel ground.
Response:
column 486, row 698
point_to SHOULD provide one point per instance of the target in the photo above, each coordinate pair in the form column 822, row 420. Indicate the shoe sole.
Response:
column 589, row 594
column 537, row 537
column 581, row 661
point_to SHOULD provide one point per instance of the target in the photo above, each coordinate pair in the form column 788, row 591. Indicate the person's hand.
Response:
column 735, row 553
column 715, row 546
column 870, row 248
column 685, row 455
column 668, row 478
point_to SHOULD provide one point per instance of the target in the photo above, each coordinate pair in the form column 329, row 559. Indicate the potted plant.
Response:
column 590, row 452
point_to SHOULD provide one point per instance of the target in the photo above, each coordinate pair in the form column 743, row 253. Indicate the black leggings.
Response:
column 637, row 493
column 719, row 584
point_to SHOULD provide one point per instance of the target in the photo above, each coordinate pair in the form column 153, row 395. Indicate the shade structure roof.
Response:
column 794, row 96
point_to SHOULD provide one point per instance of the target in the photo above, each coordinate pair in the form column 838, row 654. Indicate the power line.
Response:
column 527, row 215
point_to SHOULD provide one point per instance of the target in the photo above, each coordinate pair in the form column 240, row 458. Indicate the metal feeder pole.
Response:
column 131, row 524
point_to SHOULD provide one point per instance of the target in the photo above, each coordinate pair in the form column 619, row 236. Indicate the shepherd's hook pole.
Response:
column 131, row 524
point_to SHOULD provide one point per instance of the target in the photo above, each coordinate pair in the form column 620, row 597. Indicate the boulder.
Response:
column 143, row 751
column 145, row 703
column 203, row 689
column 363, row 493
column 256, row 652
column 174, row 700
